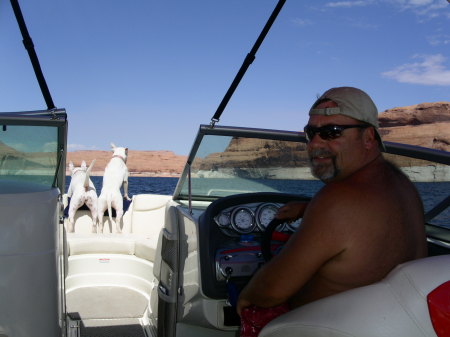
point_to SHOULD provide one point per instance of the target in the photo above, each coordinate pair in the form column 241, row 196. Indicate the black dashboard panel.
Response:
column 214, row 242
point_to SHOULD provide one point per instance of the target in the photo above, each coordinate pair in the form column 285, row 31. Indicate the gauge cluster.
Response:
column 251, row 218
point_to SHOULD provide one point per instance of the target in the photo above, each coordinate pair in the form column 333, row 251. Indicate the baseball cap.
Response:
column 351, row 102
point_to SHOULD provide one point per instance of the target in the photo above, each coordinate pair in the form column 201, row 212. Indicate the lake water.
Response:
column 140, row 185
column 431, row 193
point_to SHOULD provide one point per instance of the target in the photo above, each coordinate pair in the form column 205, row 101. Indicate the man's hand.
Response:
column 242, row 304
column 292, row 210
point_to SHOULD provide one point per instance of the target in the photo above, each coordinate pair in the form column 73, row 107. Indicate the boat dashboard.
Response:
column 230, row 232
column 251, row 218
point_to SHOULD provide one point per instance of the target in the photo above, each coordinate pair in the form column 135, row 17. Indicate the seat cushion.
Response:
column 94, row 243
column 396, row 306
column 128, row 244
column 146, row 248
column 148, row 213
column 149, row 202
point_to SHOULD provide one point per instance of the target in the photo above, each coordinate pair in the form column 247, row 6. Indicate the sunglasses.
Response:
column 329, row 132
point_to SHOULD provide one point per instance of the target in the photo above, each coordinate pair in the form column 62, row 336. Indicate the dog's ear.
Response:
column 113, row 147
column 126, row 151
column 83, row 164
column 71, row 167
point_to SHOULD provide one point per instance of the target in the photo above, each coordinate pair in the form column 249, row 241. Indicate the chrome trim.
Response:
column 439, row 243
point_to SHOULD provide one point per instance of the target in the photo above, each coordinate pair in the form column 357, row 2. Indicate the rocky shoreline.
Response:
column 141, row 174
column 428, row 173
column 426, row 124
column 140, row 163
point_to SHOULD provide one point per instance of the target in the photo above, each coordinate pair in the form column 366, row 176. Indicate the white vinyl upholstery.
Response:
column 110, row 275
column 88, row 244
column 394, row 307
column 142, row 224
column 147, row 216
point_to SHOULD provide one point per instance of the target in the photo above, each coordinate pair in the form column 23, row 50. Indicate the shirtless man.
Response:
column 367, row 219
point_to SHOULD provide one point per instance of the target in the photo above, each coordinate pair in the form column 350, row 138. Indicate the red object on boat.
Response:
column 439, row 308
column 279, row 236
column 253, row 318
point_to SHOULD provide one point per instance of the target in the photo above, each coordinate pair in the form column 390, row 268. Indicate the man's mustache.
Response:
column 319, row 153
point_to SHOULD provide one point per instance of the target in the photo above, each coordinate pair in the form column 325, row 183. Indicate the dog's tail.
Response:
column 88, row 174
column 108, row 202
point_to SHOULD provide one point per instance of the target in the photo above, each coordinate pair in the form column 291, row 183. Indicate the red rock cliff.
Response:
column 426, row 124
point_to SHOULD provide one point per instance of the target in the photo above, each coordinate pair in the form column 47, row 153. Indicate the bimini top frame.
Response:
column 29, row 46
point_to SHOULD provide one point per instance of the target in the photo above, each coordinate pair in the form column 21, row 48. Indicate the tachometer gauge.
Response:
column 293, row 226
column 265, row 214
column 223, row 219
column 243, row 220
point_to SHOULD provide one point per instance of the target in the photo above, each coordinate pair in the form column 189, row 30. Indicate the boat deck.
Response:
column 107, row 328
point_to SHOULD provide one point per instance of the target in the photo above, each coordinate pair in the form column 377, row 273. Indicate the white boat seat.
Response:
column 396, row 306
column 141, row 226
column 148, row 212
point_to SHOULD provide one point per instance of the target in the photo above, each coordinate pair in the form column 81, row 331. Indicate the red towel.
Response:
column 253, row 318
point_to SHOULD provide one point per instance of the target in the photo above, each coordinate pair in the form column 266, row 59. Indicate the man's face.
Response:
column 335, row 159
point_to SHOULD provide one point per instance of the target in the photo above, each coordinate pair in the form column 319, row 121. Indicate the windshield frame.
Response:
column 406, row 150
column 231, row 131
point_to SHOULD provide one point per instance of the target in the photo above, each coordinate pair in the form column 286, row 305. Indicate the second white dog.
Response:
column 116, row 174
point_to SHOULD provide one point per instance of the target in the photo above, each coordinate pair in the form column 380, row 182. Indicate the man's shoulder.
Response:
column 342, row 205
column 339, row 192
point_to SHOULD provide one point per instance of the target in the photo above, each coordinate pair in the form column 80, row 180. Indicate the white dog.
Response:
column 116, row 174
column 82, row 191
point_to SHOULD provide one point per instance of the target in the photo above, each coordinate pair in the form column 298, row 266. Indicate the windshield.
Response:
column 31, row 149
column 229, row 160
column 242, row 161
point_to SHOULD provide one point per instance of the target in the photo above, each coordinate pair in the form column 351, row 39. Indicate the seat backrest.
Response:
column 148, row 212
column 396, row 306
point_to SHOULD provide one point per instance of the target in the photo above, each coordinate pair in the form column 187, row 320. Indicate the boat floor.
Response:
column 130, row 327
column 106, row 312
column 105, row 303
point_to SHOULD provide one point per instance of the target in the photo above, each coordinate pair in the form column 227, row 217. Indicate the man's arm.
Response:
column 317, row 241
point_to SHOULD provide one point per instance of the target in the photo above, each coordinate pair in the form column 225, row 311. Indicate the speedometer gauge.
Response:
column 243, row 220
column 265, row 214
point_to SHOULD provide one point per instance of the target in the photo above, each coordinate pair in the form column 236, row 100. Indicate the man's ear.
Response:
column 369, row 138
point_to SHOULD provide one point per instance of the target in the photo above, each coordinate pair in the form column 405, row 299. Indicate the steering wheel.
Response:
column 266, row 238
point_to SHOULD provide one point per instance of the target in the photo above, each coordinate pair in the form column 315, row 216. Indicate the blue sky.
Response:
column 145, row 73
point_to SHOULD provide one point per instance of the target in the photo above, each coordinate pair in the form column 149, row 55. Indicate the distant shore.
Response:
column 140, row 174
column 417, row 173
column 139, row 163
